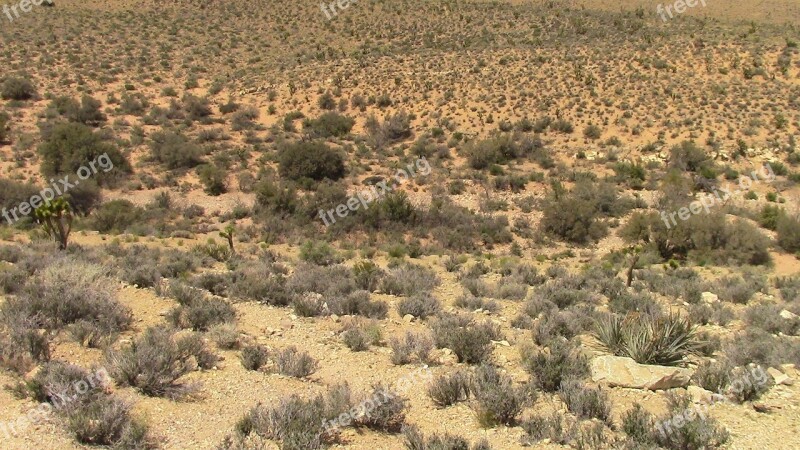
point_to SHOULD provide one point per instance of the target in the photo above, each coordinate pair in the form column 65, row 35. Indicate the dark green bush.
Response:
column 70, row 146
column 329, row 124
column 17, row 88
column 115, row 216
column 314, row 160
column 174, row 151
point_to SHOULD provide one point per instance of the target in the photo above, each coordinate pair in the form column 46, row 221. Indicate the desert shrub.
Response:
column 470, row 341
column 86, row 112
column 155, row 362
column 367, row 275
column 274, row 198
column 332, row 280
column 261, row 282
column 295, row 363
column 202, row 313
column 17, row 88
column 414, row 440
column 226, row 336
column 409, row 279
column 314, row 160
column 446, row 390
column 358, row 334
column 550, row 368
column 22, row 343
column 213, row 179
column 559, row 325
column 749, row 383
column 329, row 124
column 638, row 424
column 254, row 357
column 70, row 146
column 115, row 216
column 319, row 252
column 308, row 305
column 766, row 316
column 410, row 347
column 759, row 347
column 691, row 431
column 788, row 229
column 174, row 150
column 71, row 291
column 12, row 193
column 357, row 303
column 420, row 305
column 585, row 402
column 634, row 302
column 472, row 303
column 575, row 216
column 789, row 288
column 553, row 427
column 298, row 423
column 92, row 416
column 713, row 376
column 649, row 339
column 389, row 413
column 244, row 119
column 497, row 400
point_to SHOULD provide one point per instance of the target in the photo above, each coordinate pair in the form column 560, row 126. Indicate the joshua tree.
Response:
column 56, row 219
column 228, row 233
column 635, row 253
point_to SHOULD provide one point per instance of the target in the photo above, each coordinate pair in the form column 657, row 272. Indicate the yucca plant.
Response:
column 649, row 339
column 56, row 219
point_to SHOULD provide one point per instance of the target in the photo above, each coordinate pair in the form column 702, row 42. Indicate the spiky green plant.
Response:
column 228, row 233
column 649, row 339
column 56, row 218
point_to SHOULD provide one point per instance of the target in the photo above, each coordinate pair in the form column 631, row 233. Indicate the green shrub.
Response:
column 329, row 124
column 70, row 146
column 319, row 252
column 17, row 88
column 497, row 400
column 115, row 216
column 213, row 179
column 549, row 369
column 576, row 216
column 174, row 150
column 419, row 305
column 788, row 229
column 254, row 357
column 314, row 160
column 469, row 340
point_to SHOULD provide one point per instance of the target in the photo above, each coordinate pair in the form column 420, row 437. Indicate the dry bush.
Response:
column 497, row 400
column 446, row 390
column 549, row 369
column 411, row 347
column 295, row 363
column 471, row 341
column 155, row 362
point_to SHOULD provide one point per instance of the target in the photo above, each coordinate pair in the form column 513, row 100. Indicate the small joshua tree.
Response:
column 228, row 233
column 635, row 253
column 56, row 219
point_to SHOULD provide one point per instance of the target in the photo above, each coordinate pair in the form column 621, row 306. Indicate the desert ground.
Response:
column 430, row 225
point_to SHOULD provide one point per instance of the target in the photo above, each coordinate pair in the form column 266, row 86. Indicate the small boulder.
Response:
column 709, row 297
column 625, row 372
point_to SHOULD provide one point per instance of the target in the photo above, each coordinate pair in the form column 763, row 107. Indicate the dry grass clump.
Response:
column 411, row 347
column 470, row 340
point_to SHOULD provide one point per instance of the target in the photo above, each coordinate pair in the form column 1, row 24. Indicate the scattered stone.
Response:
column 447, row 357
column 780, row 377
column 700, row 395
column 709, row 297
column 408, row 318
column 286, row 324
column 335, row 318
column 788, row 315
column 625, row 372
column 503, row 343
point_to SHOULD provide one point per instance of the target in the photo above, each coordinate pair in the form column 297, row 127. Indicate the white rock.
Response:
column 709, row 297
column 625, row 372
